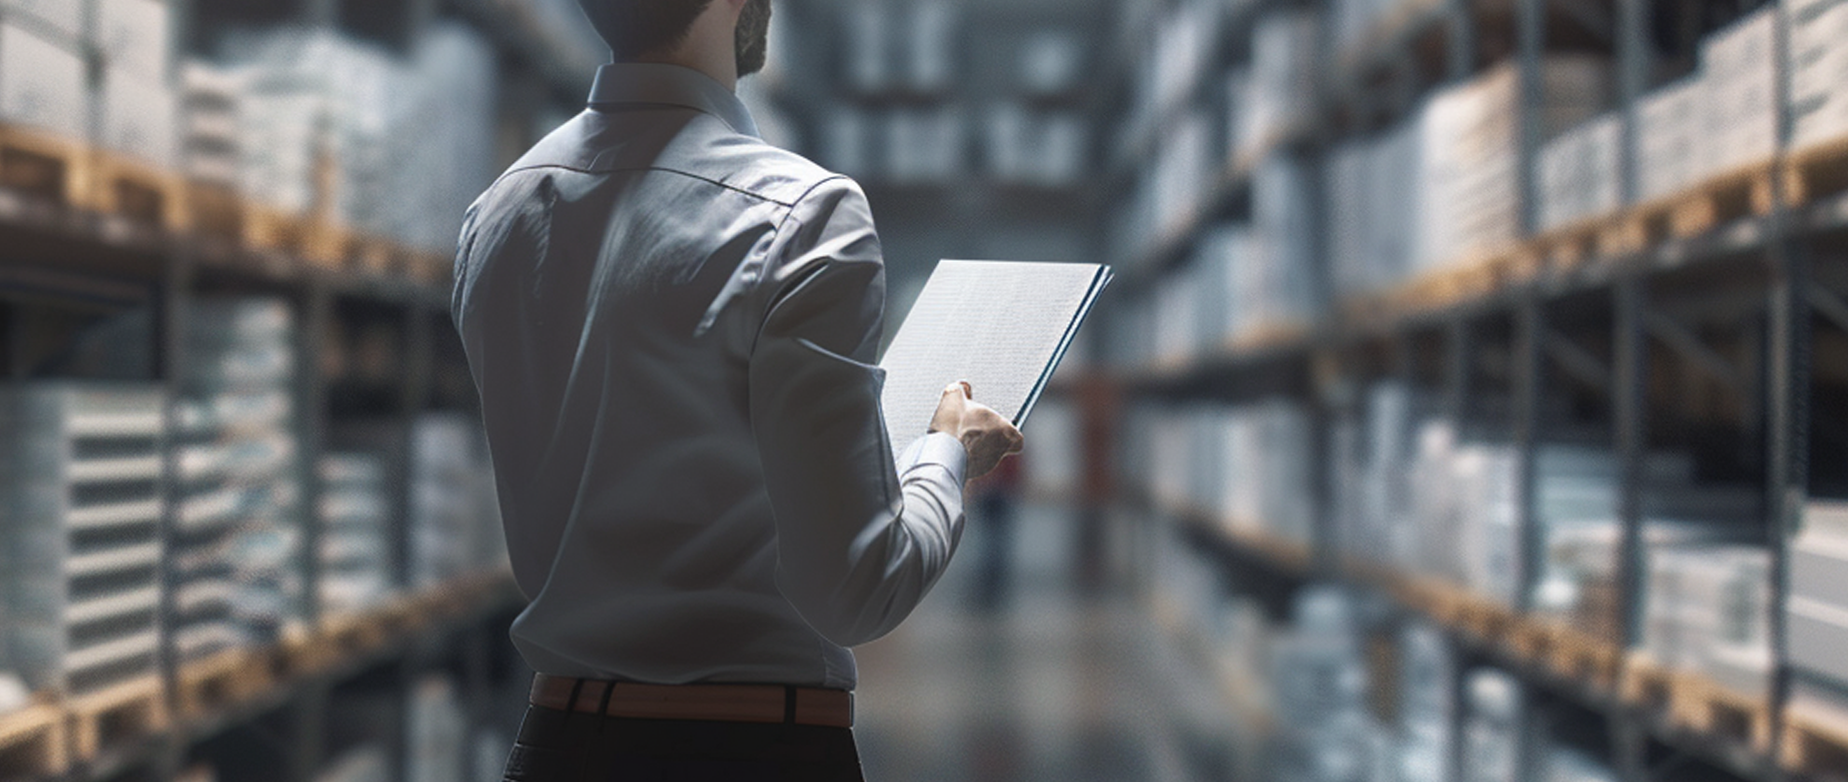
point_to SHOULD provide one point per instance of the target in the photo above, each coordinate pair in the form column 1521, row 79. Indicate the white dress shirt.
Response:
column 672, row 328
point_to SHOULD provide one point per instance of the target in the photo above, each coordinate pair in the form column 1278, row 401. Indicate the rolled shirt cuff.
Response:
column 937, row 449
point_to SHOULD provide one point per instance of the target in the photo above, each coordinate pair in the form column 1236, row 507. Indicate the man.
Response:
column 671, row 326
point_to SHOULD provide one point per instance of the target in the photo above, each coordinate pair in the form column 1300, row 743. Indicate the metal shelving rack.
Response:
column 65, row 262
column 1533, row 325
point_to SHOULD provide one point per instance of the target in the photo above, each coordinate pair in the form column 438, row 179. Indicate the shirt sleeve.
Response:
column 860, row 537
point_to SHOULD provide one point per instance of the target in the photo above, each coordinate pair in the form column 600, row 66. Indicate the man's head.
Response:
column 652, row 29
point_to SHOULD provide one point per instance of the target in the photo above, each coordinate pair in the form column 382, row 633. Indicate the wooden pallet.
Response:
column 133, row 708
column 1813, row 746
column 1741, row 192
column 216, row 211
column 223, row 679
column 266, row 229
column 1816, row 171
column 431, row 267
column 300, row 652
column 1699, row 704
column 1578, row 656
column 34, row 742
column 1530, row 640
column 44, row 166
column 351, row 634
column 1265, row 336
column 141, row 193
column 1644, row 682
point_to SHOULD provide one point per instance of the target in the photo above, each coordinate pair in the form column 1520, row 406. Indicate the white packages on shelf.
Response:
column 1223, row 259
column 354, row 512
column 138, row 117
column 929, row 45
column 1493, row 725
column 455, row 516
column 1286, row 292
column 64, row 18
column 1253, row 468
column 1818, row 66
column 43, row 79
column 867, row 34
column 1374, row 216
column 1707, row 608
column 80, row 546
column 1741, row 109
column 925, row 146
column 1324, row 729
column 1470, row 151
column 1817, row 608
column 1578, row 174
column 1564, row 764
column 210, row 131
column 1427, row 672
column 134, row 36
column 237, row 567
column 1035, row 148
column 1286, row 55
column 1055, row 467
column 395, row 146
column 1668, row 141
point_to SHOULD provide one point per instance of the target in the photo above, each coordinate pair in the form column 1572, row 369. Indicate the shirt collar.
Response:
column 646, row 82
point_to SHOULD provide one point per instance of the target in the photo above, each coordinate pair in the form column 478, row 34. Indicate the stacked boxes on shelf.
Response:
column 1248, row 466
column 236, row 566
column 1717, row 119
column 1055, row 468
column 1427, row 704
column 1816, row 613
column 1707, row 608
column 1579, row 175
column 1739, row 65
column 455, row 518
column 44, row 82
column 1285, row 59
column 1284, row 288
column 1373, row 221
column 1818, row 63
column 136, row 109
column 925, row 144
column 210, row 132
column 355, row 556
column 1320, row 681
column 1460, row 153
column 1493, row 726
column 1039, row 147
column 1470, row 194
column 80, row 547
column 329, row 123
column 1169, row 68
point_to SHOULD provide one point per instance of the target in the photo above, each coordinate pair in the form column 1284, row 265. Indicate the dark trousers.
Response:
column 557, row 746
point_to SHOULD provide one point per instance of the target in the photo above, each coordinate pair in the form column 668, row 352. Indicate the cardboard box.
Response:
column 1817, row 633
column 63, row 17
column 135, row 36
column 136, row 117
column 42, row 83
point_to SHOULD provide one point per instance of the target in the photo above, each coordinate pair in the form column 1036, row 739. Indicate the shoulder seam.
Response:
column 687, row 174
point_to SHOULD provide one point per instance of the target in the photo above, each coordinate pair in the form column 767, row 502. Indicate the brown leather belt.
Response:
column 720, row 702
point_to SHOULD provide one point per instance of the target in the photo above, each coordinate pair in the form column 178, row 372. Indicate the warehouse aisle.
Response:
column 1055, row 685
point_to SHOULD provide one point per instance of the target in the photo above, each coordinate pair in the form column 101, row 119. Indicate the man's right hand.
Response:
column 983, row 432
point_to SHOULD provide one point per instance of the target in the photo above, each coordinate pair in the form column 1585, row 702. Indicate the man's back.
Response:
column 671, row 325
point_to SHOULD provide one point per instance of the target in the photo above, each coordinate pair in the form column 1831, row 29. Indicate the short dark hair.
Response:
column 634, row 28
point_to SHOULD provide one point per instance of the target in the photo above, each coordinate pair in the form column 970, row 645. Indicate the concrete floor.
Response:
column 1055, row 684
